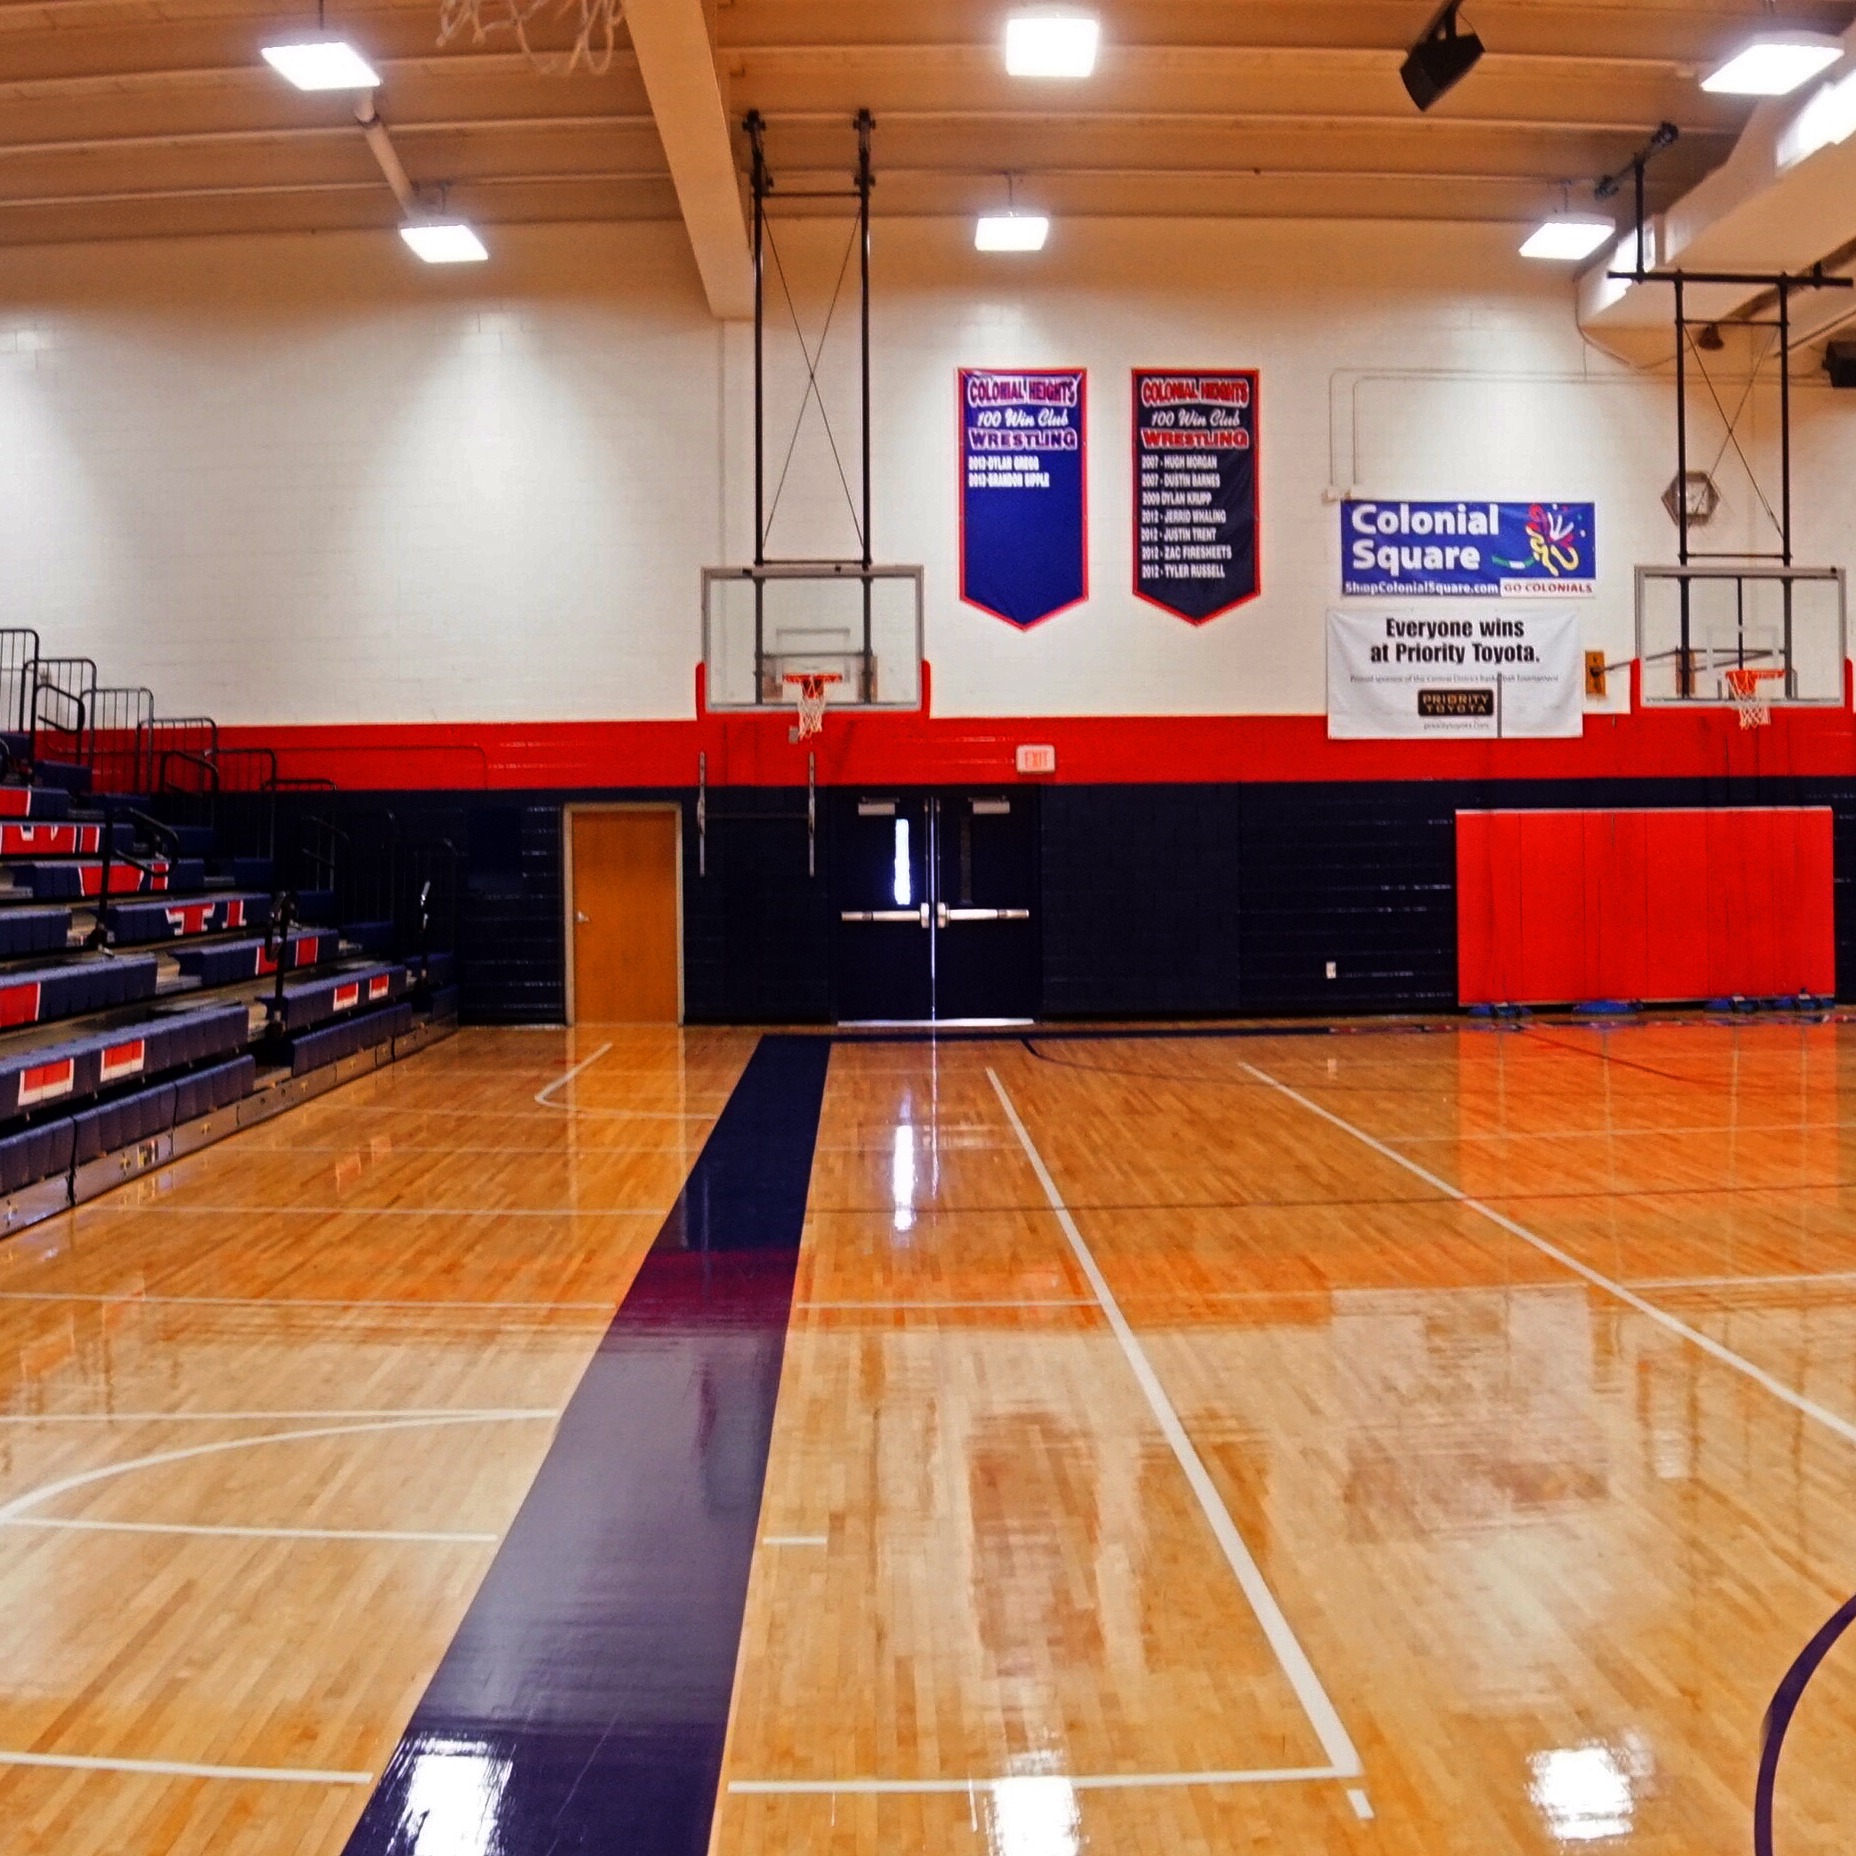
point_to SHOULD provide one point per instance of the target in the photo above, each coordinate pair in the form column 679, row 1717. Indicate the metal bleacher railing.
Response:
column 61, row 695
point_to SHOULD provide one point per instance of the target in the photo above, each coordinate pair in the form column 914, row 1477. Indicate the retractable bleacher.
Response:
column 147, row 1004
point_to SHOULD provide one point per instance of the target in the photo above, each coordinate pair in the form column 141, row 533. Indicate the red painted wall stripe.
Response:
column 1556, row 907
column 753, row 750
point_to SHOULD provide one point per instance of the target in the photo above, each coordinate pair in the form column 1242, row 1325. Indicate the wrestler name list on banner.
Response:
column 1195, row 490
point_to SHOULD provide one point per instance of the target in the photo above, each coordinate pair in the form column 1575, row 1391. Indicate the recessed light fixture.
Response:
column 444, row 241
column 1011, row 232
column 1051, row 42
column 1568, row 237
column 1775, row 64
column 322, row 64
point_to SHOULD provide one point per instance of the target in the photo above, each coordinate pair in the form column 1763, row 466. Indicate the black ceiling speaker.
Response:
column 1442, row 58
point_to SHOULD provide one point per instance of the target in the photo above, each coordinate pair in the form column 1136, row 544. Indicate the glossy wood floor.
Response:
column 1433, row 1443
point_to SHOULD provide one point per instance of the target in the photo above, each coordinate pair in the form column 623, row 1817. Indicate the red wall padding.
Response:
column 1561, row 907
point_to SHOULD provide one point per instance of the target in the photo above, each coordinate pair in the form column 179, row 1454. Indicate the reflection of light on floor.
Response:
column 1586, row 1793
column 452, row 1799
column 902, row 1176
column 1033, row 1816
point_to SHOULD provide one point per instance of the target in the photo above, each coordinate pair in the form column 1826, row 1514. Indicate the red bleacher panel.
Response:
column 1561, row 907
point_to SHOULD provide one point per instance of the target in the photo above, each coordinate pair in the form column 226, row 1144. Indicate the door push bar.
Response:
column 943, row 915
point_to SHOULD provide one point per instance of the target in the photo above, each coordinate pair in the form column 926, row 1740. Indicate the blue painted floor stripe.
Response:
column 582, row 1705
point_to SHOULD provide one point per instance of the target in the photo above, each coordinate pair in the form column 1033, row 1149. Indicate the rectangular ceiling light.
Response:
column 1775, row 64
column 445, row 242
column 1011, row 232
column 1567, row 237
column 1048, row 43
column 322, row 64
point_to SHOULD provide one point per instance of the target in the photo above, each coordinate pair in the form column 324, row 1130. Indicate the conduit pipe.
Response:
column 385, row 153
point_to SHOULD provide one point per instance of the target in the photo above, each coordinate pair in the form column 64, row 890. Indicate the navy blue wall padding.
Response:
column 46, row 802
column 203, row 1091
column 33, row 931
column 225, row 963
column 315, row 1050
column 82, row 986
column 446, row 1001
column 71, row 1070
column 34, row 1154
column 141, row 924
column 311, row 1001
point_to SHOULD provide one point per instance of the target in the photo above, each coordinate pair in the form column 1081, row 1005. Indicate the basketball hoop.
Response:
column 1743, row 681
column 595, row 24
column 811, row 690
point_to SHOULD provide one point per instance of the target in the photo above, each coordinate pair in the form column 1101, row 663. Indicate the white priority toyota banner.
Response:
column 1485, row 675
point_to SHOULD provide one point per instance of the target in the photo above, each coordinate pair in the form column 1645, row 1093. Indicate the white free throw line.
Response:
column 1707, row 1344
column 252, row 1533
column 185, row 1769
column 1078, row 1781
column 1321, row 1712
column 542, row 1096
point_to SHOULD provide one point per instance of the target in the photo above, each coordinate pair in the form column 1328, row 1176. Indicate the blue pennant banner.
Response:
column 1195, row 491
column 1467, row 550
column 1023, row 498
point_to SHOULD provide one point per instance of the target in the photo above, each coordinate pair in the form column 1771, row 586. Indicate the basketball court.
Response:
column 927, row 929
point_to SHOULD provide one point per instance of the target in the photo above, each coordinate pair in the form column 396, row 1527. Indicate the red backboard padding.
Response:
column 1561, row 907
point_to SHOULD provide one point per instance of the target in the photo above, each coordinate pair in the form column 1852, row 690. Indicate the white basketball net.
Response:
column 482, row 20
column 811, row 690
column 1743, row 682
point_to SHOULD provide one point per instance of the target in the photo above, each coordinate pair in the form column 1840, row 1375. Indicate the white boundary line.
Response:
column 1706, row 1343
column 183, row 1769
column 1079, row 1781
column 567, row 1076
column 368, row 1534
column 930, row 1307
column 134, row 1299
column 460, row 1413
column 794, row 1540
column 1342, row 1756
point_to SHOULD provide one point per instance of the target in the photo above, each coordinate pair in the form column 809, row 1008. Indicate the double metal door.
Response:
column 935, row 897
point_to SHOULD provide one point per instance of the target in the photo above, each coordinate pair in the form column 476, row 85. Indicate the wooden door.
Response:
column 625, row 934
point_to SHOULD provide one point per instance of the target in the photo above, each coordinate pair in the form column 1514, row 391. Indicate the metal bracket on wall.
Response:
column 702, row 815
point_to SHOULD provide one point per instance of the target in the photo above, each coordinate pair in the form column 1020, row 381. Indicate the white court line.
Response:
column 794, row 1540
column 1708, row 1345
column 1073, row 1301
column 1321, row 1712
column 390, row 1534
column 1078, row 1781
column 20, row 1504
column 491, row 1413
column 189, row 1207
column 1743, row 1282
column 185, row 1769
column 585, row 1063
column 128, row 1300
column 1362, row 1805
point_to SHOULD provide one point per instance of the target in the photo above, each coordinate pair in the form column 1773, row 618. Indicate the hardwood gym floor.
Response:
column 1428, row 1443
